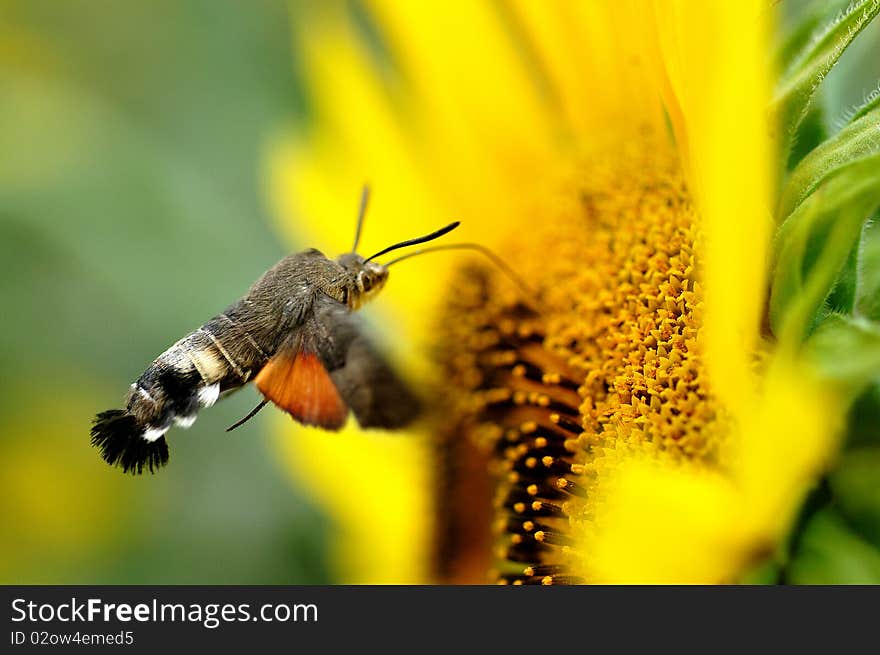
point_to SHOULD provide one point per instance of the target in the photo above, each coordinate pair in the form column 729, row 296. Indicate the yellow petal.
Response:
column 594, row 58
column 666, row 524
column 719, row 70
column 315, row 180
column 482, row 121
column 374, row 487
column 785, row 444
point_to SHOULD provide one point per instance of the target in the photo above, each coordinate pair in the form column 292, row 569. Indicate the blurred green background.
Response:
column 131, row 210
column 131, row 137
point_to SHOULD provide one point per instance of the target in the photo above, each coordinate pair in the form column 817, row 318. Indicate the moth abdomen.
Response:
column 193, row 373
column 134, row 438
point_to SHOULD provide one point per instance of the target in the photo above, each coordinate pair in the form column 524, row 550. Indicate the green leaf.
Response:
column 863, row 419
column 800, row 26
column 811, row 133
column 842, row 299
column 846, row 351
column 830, row 553
column 871, row 103
column 766, row 573
column 867, row 302
column 858, row 140
column 856, row 491
column 802, row 78
column 813, row 244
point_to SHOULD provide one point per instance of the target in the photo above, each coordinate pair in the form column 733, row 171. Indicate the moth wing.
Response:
column 365, row 381
column 296, row 380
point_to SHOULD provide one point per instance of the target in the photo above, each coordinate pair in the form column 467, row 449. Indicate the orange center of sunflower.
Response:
column 538, row 397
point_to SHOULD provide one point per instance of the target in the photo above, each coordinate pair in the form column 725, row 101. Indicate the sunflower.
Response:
column 678, row 383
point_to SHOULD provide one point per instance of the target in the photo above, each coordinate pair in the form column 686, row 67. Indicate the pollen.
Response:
column 608, row 361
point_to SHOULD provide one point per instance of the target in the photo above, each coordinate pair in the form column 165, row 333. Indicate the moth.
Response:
column 294, row 335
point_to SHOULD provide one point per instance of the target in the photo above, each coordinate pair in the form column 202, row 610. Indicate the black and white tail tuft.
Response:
column 120, row 437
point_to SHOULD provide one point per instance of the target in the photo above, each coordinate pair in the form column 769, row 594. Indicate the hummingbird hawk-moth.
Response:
column 294, row 336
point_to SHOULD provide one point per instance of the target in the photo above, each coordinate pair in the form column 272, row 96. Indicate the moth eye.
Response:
column 366, row 282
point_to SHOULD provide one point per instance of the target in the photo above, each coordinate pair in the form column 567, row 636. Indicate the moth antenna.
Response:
column 247, row 418
column 414, row 242
column 362, row 211
column 530, row 293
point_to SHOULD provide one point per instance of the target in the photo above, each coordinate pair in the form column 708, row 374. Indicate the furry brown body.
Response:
column 297, row 317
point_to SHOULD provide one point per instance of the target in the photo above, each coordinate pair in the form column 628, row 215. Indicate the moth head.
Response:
column 364, row 280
